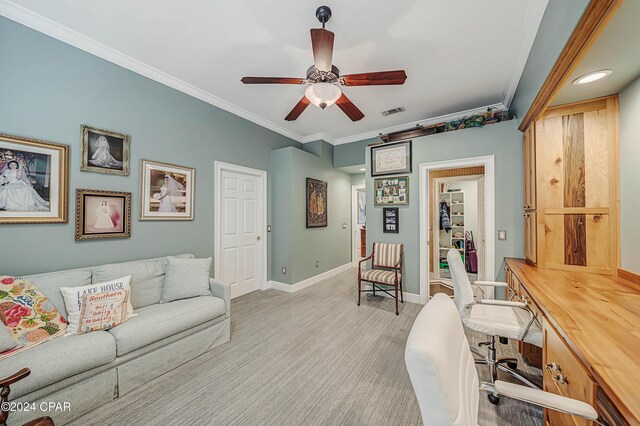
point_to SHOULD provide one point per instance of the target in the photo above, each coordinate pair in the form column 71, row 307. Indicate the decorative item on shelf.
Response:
column 475, row 120
column 391, row 220
column 167, row 191
column 104, row 151
column 316, row 203
column 389, row 159
column 102, row 214
column 34, row 181
column 391, row 191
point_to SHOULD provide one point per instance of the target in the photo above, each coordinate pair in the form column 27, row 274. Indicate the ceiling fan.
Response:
column 324, row 79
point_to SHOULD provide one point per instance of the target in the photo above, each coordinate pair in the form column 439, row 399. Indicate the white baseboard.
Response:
column 291, row 288
column 408, row 297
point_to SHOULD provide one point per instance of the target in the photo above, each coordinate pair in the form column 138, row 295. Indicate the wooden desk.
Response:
column 598, row 319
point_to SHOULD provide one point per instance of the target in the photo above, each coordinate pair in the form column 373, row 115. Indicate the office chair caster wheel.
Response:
column 512, row 365
column 495, row 400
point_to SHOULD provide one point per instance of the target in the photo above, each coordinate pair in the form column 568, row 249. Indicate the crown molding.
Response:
column 317, row 136
column 532, row 20
column 53, row 29
column 425, row 122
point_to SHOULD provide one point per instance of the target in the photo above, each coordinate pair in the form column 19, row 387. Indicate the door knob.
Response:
column 258, row 238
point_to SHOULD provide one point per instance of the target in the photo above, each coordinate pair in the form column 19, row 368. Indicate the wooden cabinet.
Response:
column 529, row 167
column 563, row 374
column 571, row 187
column 530, row 237
column 530, row 353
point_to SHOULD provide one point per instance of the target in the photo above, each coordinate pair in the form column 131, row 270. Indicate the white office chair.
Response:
column 497, row 318
column 444, row 377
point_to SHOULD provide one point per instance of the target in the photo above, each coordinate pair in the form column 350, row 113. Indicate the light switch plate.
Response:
column 502, row 235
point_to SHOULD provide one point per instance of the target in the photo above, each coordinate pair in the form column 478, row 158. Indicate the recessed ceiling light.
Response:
column 363, row 170
column 591, row 77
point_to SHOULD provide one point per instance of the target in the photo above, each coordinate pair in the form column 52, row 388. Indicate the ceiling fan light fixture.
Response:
column 323, row 95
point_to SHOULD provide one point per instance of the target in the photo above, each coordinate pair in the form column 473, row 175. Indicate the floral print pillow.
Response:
column 27, row 313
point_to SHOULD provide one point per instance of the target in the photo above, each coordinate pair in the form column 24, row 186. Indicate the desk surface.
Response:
column 599, row 318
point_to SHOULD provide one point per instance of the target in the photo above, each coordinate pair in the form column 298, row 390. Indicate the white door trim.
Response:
column 219, row 166
column 488, row 162
column 354, row 222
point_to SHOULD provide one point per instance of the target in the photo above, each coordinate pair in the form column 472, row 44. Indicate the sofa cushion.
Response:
column 186, row 278
column 51, row 282
column 156, row 322
column 58, row 359
column 147, row 277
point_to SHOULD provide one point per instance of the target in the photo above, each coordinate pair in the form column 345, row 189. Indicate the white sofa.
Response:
column 89, row 370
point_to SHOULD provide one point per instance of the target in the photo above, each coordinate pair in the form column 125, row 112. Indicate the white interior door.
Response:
column 242, row 207
column 480, row 239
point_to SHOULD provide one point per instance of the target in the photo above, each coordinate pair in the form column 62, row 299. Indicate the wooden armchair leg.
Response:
column 359, row 288
column 401, row 293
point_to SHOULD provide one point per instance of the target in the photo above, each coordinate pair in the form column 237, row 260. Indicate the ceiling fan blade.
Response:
column 382, row 78
column 322, row 44
column 298, row 109
column 272, row 80
column 349, row 108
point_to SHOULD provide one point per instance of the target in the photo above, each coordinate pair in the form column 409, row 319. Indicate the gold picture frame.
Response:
column 166, row 191
column 102, row 214
column 104, row 151
column 34, row 181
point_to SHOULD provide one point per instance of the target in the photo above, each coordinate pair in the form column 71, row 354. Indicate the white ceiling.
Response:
column 616, row 49
column 459, row 55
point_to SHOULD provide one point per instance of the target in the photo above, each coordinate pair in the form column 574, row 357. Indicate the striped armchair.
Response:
column 386, row 270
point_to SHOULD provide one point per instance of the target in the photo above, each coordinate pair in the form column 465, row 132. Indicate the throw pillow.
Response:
column 98, row 306
column 7, row 342
column 26, row 315
column 186, row 278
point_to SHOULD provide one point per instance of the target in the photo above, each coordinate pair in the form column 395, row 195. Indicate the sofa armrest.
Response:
column 223, row 291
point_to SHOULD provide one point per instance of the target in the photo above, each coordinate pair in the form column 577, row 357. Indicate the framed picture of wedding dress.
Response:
column 34, row 181
column 102, row 214
column 104, row 151
column 166, row 191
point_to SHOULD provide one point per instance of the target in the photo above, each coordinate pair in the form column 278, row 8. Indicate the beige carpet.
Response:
column 306, row 358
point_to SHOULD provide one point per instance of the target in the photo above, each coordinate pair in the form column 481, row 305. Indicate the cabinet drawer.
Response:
column 565, row 375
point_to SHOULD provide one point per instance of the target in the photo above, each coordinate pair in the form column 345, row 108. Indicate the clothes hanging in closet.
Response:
column 471, row 260
column 445, row 218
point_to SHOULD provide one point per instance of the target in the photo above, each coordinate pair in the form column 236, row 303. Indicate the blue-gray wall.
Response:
column 299, row 247
column 48, row 89
column 350, row 154
column 503, row 140
column 629, row 177
column 558, row 22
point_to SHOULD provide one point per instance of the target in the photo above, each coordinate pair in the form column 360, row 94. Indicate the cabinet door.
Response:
column 577, row 178
column 529, row 167
column 530, row 236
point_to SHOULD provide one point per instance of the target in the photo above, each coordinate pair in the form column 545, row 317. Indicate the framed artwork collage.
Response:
column 390, row 160
column 34, row 185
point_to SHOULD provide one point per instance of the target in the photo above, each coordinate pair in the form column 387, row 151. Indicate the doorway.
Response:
column 479, row 171
column 240, row 217
column 456, row 222
column 358, row 223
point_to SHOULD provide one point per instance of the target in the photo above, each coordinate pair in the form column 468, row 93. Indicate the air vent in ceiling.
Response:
column 393, row 111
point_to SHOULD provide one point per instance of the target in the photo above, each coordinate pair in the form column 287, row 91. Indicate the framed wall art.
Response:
column 391, row 191
column 167, row 191
column 102, row 214
column 104, row 151
column 316, row 203
column 391, row 158
column 391, row 220
column 34, row 181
